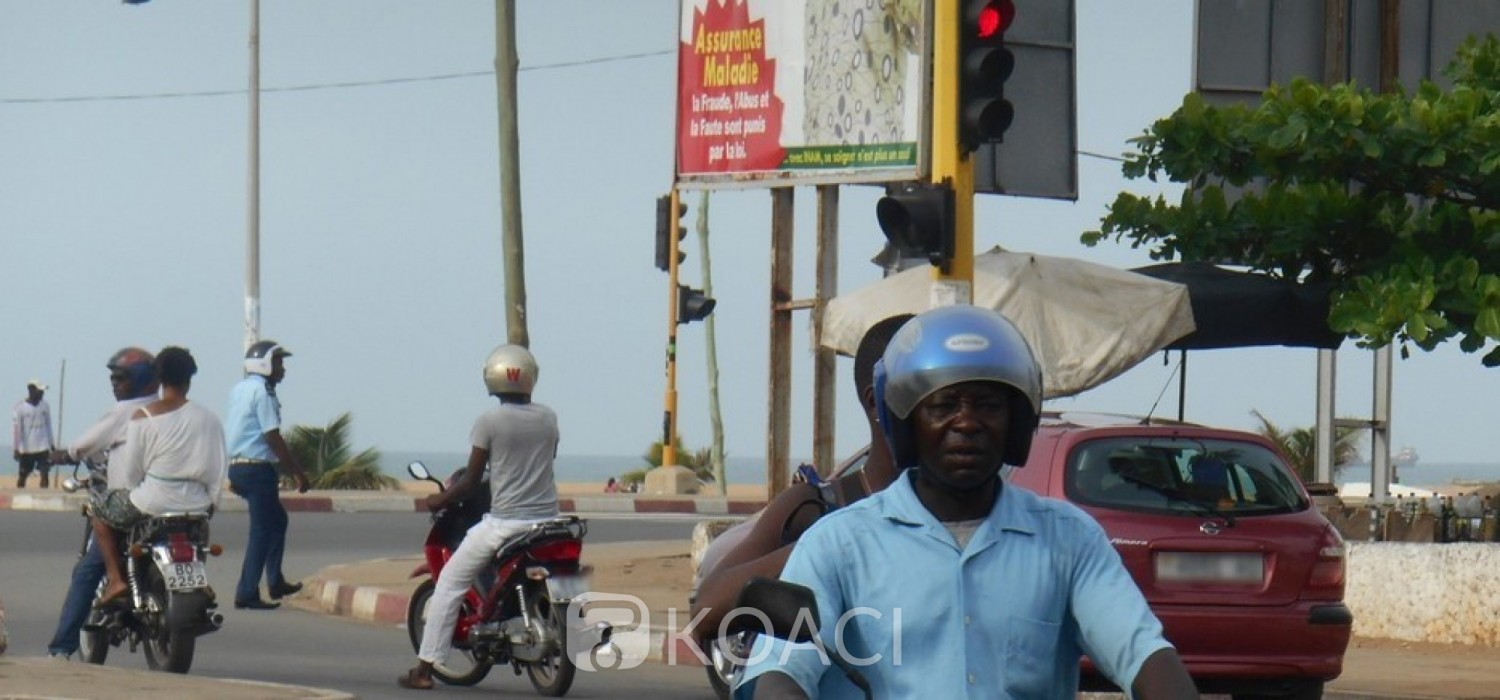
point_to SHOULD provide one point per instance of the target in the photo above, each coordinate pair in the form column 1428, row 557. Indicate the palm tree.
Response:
column 325, row 453
column 1300, row 445
column 701, row 460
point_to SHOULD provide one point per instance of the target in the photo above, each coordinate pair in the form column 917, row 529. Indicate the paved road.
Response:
column 292, row 646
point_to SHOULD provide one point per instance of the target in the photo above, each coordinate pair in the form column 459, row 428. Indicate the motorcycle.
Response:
column 170, row 603
column 516, row 611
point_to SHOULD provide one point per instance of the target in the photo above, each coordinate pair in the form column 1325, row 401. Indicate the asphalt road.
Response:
column 37, row 551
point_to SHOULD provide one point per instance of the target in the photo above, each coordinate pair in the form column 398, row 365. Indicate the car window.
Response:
column 1176, row 475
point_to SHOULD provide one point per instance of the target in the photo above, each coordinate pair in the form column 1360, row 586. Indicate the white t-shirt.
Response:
column 108, row 432
column 173, row 462
column 32, row 427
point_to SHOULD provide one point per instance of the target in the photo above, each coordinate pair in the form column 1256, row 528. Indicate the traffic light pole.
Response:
column 669, row 417
column 951, row 164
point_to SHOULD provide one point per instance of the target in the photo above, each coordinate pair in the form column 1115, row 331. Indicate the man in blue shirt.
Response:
column 951, row 583
column 252, row 428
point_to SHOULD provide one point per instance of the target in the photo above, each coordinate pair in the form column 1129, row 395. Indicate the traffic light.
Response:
column 984, row 63
column 918, row 219
column 692, row 304
column 665, row 222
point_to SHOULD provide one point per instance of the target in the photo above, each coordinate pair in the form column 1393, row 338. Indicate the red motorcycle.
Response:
column 517, row 610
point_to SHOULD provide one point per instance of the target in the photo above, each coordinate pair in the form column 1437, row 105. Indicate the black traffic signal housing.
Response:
column 665, row 223
column 918, row 220
column 692, row 304
column 984, row 64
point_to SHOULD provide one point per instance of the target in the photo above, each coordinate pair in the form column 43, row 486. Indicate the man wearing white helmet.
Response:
column 952, row 583
column 517, row 442
column 257, row 455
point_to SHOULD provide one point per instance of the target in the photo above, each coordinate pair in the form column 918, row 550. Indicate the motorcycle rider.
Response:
column 172, row 462
column 952, row 582
column 132, row 376
column 517, row 442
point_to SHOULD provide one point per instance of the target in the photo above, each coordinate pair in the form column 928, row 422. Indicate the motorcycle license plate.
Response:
column 183, row 576
column 565, row 588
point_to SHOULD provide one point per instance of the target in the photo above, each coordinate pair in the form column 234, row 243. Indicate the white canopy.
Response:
column 1087, row 323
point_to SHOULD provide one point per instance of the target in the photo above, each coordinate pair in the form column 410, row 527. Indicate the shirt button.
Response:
column 967, row 620
column 971, row 679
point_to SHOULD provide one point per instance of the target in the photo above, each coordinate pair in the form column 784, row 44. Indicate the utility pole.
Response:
column 710, row 340
column 252, row 232
column 512, row 243
column 1335, row 70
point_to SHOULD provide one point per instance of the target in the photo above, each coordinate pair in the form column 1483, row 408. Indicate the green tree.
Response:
column 699, row 460
column 1390, row 198
column 329, row 460
column 1300, row 445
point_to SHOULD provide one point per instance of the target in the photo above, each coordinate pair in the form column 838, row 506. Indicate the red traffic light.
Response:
column 994, row 18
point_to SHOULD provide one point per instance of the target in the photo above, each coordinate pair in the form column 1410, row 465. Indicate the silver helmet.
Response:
column 259, row 358
column 510, row 369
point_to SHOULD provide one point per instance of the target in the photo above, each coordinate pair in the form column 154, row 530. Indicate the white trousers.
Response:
column 480, row 544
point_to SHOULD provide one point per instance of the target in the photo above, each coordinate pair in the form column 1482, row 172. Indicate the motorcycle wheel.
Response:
column 553, row 675
column 461, row 668
column 725, row 662
column 93, row 645
column 169, row 647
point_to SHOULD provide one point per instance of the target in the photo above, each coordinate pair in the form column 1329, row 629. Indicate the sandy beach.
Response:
column 572, row 489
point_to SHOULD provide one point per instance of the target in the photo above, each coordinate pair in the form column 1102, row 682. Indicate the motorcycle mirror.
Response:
column 418, row 470
column 71, row 485
column 790, row 610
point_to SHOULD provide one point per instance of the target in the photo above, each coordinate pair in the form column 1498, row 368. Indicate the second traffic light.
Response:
column 984, row 64
column 693, row 304
column 666, row 223
column 919, row 221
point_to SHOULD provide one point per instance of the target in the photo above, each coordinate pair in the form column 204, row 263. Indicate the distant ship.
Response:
column 1406, row 458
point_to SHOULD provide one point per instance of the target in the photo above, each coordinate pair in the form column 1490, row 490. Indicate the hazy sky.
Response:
column 122, row 221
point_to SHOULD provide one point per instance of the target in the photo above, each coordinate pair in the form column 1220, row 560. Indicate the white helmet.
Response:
column 258, row 359
column 510, row 369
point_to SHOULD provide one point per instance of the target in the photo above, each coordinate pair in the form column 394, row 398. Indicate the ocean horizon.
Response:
column 569, row 468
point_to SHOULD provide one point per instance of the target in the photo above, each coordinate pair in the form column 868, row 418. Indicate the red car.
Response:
column 1246, row 576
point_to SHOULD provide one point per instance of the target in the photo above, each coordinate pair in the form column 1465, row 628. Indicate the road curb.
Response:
column 393, row 502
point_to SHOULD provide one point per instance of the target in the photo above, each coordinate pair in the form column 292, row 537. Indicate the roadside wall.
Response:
column 1444, row 593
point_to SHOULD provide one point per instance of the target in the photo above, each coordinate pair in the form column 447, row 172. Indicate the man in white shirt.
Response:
column 31, row 434
column 132, row 377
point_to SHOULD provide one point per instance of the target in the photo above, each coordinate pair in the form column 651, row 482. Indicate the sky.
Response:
column 122, row 222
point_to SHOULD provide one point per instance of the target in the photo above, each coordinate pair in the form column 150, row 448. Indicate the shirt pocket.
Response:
column 1030, row 657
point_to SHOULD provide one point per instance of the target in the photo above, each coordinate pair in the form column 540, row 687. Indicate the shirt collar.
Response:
column 900, row 504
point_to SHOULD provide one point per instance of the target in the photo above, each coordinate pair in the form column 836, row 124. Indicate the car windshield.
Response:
column 1177, row 475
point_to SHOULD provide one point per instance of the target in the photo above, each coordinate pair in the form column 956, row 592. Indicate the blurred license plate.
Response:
column 1206, row 567
column 565, row 588
column 186, row 575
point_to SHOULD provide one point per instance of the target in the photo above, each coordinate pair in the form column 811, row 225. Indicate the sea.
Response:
column 571, row 468
column 1425, row 475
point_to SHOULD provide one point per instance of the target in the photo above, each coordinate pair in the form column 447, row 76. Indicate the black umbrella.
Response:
column 1244, row 309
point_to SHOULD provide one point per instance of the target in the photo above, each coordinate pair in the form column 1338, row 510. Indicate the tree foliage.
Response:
column 699, row 460
column 1300, row 446
column 330, row 461
column 1391, row 198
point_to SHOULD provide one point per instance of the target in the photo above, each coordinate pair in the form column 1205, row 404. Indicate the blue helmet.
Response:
column 951, row 345
column 139, row 367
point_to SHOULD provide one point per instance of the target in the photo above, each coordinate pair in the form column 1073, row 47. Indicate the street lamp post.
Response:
column 252, row 234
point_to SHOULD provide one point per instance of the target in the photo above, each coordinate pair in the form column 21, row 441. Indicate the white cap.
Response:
column 38, row 384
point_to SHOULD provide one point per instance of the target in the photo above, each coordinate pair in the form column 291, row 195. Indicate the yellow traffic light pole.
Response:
column 950, row 163
column 669, row 419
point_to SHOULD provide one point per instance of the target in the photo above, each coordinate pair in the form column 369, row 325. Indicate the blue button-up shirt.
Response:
column 253, row 412
column 1008, row 616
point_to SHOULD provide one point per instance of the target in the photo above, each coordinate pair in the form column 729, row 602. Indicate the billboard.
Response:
column 800, row 92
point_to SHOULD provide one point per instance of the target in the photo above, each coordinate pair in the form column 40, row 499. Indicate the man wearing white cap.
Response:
column 31, row 434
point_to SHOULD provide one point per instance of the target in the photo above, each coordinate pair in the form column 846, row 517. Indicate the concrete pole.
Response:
column 512, row 246
column 252, row 229
column 1335, row 70
column 711, row 342
column 1380, row 460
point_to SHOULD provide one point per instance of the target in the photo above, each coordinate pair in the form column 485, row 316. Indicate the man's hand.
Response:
column 302, row 483
column 17, row 455
column 436, row 502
